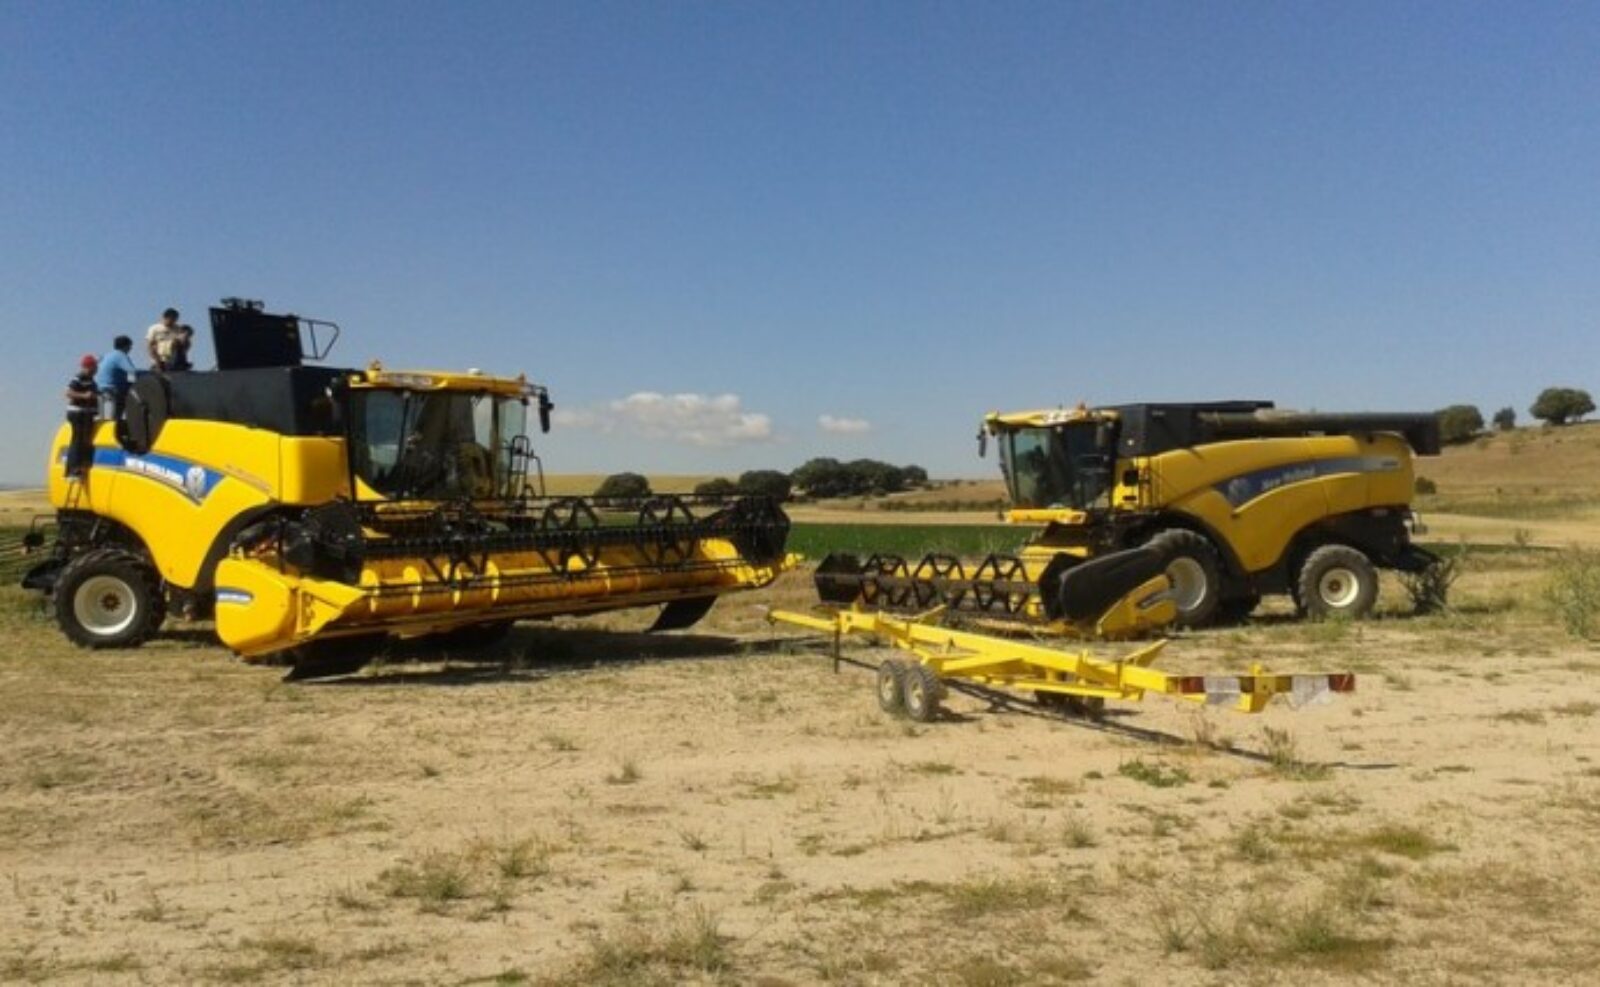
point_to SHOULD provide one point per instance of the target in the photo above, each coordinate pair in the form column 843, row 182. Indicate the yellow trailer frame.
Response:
column 1056, row 677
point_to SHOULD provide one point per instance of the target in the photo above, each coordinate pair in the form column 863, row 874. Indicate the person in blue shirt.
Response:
column 116, row 375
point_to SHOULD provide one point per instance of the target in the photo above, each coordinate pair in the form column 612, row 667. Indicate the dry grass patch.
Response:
column 231, row 818
column 485, row 869
column 1154, row 773
column 1263, row 931
column 685, row 946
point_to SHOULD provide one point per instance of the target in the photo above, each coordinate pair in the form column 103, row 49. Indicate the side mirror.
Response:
column 545, row 405
column 983, row 442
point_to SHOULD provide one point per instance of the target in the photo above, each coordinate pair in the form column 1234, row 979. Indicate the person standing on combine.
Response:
column 116, row 375
column 83, row 404
column 166, row 340
column 180, row 349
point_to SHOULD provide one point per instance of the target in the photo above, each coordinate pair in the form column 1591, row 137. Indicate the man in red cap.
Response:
column 83, row 400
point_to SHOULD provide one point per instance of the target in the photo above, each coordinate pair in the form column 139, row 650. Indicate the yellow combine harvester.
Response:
column 316, row 512
column 1236, row 499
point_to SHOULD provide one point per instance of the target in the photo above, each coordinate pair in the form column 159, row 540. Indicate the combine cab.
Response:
column 316, row 512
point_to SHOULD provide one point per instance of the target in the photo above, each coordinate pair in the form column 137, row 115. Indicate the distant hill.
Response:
column 1524, row 473
column 18, row 505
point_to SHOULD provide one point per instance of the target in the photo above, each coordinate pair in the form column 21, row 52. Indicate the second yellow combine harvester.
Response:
column 316, row 512
column 1229, row 500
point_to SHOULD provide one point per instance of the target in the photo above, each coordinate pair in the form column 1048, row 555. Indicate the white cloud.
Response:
column 574, row 418
column 695, row 419
column 844, row 426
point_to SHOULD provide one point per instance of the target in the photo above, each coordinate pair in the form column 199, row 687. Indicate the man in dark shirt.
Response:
column 180, row 349
column 83, row 400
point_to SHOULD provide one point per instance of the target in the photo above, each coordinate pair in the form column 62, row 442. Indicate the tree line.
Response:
column 820, row 478
column 1554, row 406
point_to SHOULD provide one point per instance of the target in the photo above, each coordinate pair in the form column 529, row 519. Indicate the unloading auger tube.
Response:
column 351, row 574
column 1121, row 594
column 1056, row 678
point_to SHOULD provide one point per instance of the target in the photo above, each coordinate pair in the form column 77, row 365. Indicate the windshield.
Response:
column 1055, row 467
column 435, row 445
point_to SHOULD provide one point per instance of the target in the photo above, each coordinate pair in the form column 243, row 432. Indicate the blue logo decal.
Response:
column 1242, row 489
column 237, row 597
column 192, row 480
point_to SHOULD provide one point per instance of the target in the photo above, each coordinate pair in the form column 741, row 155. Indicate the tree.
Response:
column 719, row 487
column 1505, row 419
column 1559, row 405
column 874, row 476
column 830, row 478
column 765, row 483
column 1459, row 423
column 822, row 477
column 624, row 486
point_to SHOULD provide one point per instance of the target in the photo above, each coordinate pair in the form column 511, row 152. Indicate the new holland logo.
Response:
column 190, row 479
column 1240, row 490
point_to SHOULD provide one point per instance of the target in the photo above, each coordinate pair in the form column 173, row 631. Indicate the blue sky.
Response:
column 897, row 216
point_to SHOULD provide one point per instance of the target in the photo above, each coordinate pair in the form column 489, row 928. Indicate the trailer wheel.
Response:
column 1195, row 572
column 892, row 686
column 1338, row 581
column 922, row 693
column 109, row 598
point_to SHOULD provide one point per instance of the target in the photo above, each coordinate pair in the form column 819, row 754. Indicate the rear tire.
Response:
column 109, row 598
column 923, row 690
column 1195, row 571
column 891, row 686
column 1337, row 581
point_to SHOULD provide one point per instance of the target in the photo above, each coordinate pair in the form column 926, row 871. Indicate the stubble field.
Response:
column 592, row 805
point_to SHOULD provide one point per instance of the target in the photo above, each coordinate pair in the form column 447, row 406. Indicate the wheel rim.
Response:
column 105, row 605
column 916, row 696
column 1188, row 578
column 1339, row 587
column 888, row 690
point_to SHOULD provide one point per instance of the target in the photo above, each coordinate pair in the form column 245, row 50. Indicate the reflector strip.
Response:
column 1309, row 690
column 1223, row 690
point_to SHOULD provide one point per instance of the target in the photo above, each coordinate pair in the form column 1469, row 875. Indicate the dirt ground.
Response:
column 591, row 805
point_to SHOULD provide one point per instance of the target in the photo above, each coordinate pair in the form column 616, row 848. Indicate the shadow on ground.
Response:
column 535, row 653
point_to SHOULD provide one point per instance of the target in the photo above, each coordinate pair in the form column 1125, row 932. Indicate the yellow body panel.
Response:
column 1313, row 478
column 995, row 421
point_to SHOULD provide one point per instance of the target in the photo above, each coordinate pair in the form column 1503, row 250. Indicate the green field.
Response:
column 907, row 540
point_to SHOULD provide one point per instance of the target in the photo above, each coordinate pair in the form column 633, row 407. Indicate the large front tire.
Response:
column 1195, row 571
column 109, row 598
column 1337, row 581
